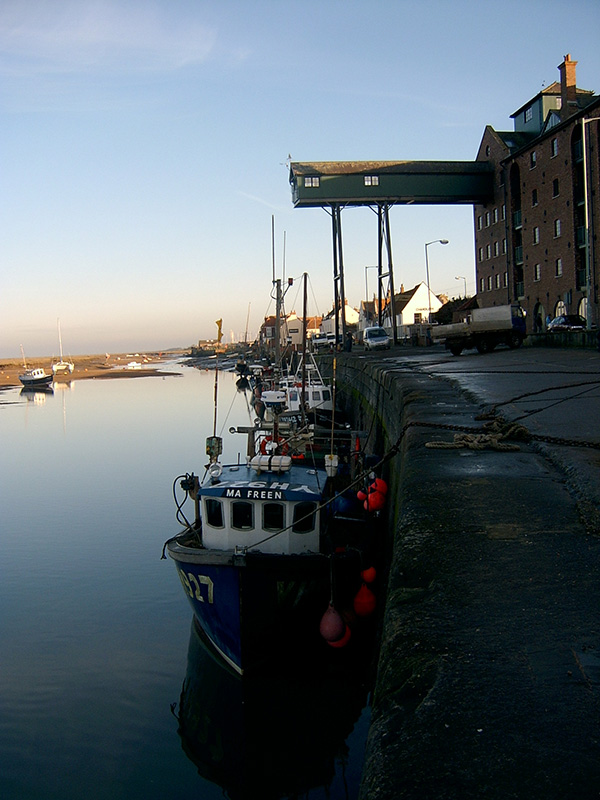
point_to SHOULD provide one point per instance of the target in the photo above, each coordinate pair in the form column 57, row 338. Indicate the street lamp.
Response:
column 462, row 278
column 435, row 241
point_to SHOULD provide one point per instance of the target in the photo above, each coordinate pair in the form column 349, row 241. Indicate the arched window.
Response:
column 560, row 308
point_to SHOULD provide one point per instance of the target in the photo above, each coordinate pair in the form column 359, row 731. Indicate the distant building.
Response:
column 536, row 240
column 412, row 308
column 351, row 315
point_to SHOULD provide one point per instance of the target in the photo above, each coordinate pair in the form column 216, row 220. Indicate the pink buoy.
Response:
column 344, row 640
column 364, row 602
column 374, row 501
column 332, row 627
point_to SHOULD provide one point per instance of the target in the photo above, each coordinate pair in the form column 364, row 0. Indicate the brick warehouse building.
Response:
column 536, row 241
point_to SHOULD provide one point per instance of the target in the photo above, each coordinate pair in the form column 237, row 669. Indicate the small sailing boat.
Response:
column 62, row 366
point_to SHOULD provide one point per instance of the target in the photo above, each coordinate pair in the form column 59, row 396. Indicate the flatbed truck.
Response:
column 484, row 329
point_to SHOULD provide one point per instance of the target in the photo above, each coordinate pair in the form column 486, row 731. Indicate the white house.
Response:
column 412, row 308
column 328, row 322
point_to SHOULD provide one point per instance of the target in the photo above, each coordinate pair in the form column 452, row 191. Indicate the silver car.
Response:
column 376, row 339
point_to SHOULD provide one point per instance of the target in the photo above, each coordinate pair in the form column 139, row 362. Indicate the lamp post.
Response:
column 462, row 278
column 435, row 241
column 371, row 266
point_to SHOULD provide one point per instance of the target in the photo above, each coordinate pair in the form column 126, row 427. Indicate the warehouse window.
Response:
column 554, row 148
column 556, row 228
column 371, row 180
column 536, row 235
column 559, row 270
column 311, row 181
column 532, row 159
column 537, row 272
column 555, row 188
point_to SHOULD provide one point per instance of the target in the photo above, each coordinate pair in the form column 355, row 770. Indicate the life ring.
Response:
column 280, row 443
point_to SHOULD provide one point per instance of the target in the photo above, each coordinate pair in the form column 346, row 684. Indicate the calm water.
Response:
column 95, row 632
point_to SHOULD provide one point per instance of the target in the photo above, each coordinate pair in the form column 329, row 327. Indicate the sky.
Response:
column 144, row 151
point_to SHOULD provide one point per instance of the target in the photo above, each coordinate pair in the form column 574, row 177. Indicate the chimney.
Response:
column 568, row 87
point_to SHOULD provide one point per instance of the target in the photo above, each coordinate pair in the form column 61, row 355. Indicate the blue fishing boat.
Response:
column 281, row 550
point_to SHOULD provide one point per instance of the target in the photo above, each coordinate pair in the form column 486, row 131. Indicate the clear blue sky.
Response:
column 143, row 148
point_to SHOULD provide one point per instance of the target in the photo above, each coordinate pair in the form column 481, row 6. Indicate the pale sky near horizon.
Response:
column 143, row 148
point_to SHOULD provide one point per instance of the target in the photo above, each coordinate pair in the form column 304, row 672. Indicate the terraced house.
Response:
column 536, row 240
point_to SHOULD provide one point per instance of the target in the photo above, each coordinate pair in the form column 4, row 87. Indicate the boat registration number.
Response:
column 198, row 586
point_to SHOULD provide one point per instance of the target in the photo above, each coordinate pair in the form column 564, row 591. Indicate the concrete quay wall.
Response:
column 487, row 682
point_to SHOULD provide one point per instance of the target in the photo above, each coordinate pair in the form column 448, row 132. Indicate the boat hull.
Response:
column 32, row 383
column 260, row 607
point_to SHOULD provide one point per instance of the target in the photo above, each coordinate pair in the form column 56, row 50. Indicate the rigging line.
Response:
column 555, row 403
column 227, row 416
column 547, row 389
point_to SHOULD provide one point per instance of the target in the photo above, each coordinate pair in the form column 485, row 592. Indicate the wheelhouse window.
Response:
column 304, row 517
column 371, row 180
column 273, row 516
column 311, row 181
column 528, row 114
column 213, row 510
column 241, row 515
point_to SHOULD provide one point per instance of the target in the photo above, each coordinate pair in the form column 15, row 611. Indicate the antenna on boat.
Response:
column 214, row 443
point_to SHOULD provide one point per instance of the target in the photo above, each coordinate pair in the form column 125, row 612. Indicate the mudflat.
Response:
column 86, row 367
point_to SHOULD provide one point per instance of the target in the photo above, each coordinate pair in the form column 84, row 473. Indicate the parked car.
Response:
column 567, row 322
column 319, row 342
column 376, row 339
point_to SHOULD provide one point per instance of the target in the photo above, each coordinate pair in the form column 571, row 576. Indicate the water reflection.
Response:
column 273, row 735
column 36, row 394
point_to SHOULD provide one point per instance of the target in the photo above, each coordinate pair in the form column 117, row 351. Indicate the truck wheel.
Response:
column 456, row 349
column 483, row 346
column 514, row 341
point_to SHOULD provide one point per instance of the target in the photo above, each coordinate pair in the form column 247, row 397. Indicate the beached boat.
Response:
column 33, row 377
column 282, row 547
column 62, row 366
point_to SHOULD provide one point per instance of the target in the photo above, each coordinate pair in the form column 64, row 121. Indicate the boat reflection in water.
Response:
column 36, row 394
column 271, row 734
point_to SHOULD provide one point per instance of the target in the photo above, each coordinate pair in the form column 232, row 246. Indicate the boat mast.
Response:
column 303, row 380
column 59, row 340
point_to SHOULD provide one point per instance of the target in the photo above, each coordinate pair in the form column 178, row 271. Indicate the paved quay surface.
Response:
column 489, row 676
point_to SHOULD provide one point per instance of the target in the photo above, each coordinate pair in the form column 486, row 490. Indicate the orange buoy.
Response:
column 374, row 501
column 344, row 640
column 378, row 485
column 332, row 625
column 365, row 601
column 368, row 575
